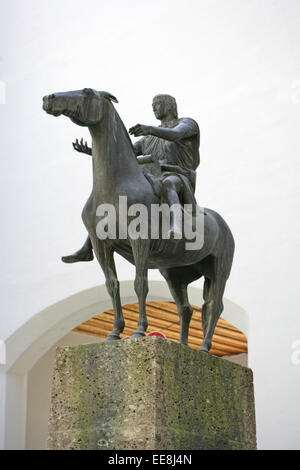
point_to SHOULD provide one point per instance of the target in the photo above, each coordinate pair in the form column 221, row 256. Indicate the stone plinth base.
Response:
column 149, row 393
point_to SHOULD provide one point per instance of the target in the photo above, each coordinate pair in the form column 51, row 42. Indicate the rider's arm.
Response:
column 185, row 128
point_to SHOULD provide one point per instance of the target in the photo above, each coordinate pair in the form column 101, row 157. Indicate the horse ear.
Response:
column 110, row 97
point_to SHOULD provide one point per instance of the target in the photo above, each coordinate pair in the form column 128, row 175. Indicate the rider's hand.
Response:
column 81, row 147
column 139, row 130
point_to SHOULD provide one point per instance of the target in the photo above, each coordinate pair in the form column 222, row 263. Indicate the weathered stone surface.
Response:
column 149, row 393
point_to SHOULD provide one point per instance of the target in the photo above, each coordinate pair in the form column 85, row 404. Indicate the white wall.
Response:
column 233, row 66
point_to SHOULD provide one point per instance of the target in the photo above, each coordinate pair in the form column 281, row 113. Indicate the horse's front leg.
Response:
column 105, row 256
column 140, row 249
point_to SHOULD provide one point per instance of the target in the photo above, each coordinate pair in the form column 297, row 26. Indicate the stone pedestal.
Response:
column 149, row 393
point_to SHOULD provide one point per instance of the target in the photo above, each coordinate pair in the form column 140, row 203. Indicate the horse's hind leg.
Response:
column 212, row 307
column 105, row 256
column 204, row 314
column 178, row 280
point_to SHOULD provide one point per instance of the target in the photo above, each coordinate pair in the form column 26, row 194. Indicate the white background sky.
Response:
column 233, row 65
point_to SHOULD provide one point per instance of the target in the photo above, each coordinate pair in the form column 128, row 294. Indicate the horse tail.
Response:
column 227, row 257
column 226, row 244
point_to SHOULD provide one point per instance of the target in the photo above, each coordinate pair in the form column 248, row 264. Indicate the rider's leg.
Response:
column 171, row 187
column 84, row 254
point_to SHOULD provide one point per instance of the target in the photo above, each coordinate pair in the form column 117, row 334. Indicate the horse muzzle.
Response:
column 48, row 105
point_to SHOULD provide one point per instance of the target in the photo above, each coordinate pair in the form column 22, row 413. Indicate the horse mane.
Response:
column 117, row 125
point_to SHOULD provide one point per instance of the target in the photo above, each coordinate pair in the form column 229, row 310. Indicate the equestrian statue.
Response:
column 158, row 170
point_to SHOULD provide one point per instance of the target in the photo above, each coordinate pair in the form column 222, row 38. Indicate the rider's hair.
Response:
column 169, row 103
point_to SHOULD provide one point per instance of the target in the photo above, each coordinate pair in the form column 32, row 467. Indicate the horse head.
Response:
column 84, row 107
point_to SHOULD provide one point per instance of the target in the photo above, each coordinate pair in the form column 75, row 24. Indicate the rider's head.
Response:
column 164, row 105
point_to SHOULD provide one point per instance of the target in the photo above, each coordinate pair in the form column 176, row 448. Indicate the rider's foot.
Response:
column 80, row 255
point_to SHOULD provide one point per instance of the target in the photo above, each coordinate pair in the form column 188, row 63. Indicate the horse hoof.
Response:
column 137, row 334
column 204, row 350
column 112, row 338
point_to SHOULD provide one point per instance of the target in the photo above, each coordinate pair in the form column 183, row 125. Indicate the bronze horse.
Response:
column 116, row 172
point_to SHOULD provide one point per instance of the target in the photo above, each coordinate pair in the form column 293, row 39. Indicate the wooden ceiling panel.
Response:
column 162, row 316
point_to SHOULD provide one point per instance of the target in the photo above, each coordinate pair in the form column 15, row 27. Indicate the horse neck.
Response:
column 114, row 160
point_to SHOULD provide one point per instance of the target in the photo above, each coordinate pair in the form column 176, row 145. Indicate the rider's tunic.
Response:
column 183, row 152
